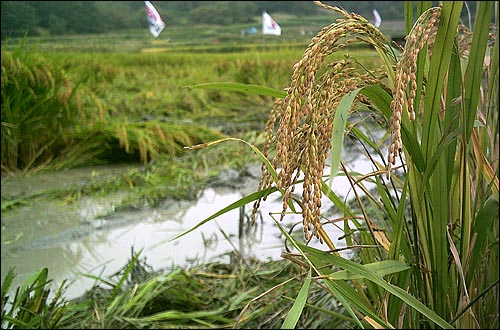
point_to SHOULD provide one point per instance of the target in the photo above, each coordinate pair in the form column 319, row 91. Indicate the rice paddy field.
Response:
column 179, row 109
column 131, row 81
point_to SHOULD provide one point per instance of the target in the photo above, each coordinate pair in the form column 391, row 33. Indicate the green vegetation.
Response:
column 135, row 107
column 56, row 18
column 214, row 295
column 425, row 237
column 46, row 118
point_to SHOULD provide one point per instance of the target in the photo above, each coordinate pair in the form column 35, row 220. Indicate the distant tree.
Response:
column 292, row 7
column 78, row 16
column 177, row 12
column 81, row 17
column 121, row 15
column 387, row 9
column 224, row 13
column 18, row 18
column 56, row 25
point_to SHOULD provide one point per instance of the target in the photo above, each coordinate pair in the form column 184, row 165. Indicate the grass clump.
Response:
column 49, row 117
column 213, row 295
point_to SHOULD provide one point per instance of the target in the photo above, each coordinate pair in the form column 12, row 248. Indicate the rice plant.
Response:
column 426, row 236
column 51, row 118
column 37, row 109
column 213, row 295
column 30, row 306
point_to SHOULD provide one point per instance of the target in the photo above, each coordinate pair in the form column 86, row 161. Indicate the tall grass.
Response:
column 426, row 235
column 55, row 117
column 36, row 109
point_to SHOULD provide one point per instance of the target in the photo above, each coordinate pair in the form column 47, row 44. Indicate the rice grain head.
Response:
column 300, row 125
column 423, row 32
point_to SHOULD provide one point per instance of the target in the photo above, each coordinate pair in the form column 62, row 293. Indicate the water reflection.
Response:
column 71, row 240
column 69, row 244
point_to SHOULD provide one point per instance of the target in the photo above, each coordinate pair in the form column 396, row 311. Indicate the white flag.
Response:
column 378, row 20
column 269, row 26
column 156, row 23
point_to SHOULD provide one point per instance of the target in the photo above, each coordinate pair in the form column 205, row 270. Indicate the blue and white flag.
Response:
column 269, row 26
column 156, row 23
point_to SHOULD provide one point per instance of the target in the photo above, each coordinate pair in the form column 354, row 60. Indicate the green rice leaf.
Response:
column 339, row 122
column 382, row 101
column 474, row 71
column 483, row 223
column 178, row 315
column 127, row 271
column 7, row 281
column 380, row 268
column 243, row 201
column 438, row 68
column 345, row 295
column 294, row 313
column 377, row 279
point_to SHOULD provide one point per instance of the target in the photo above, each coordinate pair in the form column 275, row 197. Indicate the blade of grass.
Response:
column 488, row 213
column 474, row 69
column 377, row 279
column 127, row 271
column 381, row 268
column 178, row 315
column 345, row 294
column 339, row 123
column 294, row 313
column 243, row 201
column 382, row 100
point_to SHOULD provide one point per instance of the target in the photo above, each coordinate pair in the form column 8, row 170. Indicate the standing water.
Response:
column 91, row 237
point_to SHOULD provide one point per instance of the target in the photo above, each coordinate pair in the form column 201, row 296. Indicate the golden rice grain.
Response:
column 303, row 137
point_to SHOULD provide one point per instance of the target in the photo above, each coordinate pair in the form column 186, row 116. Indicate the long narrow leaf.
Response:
column 294, row 313
column 245, row 200
column 178, row 315
column 474, row 69
column 483, row 223
column 339, row 122
column 377, row 279
column 382, row 100
column 242, row 201
column 127, row 271
column 380, row 268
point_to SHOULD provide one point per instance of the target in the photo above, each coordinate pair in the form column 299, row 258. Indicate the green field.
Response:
column 297, row 31
column 425, row 236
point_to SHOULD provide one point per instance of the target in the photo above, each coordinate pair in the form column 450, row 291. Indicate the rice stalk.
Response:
column 306, row 113
column 433, row 220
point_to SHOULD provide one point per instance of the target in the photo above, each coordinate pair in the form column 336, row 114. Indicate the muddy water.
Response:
column 91, row 237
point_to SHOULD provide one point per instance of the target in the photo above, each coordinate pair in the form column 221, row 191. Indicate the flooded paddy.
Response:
column 92, row 236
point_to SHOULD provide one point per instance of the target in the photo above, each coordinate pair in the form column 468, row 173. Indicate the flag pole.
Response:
column 156, row 25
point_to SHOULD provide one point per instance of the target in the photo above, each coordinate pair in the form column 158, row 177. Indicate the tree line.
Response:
column 94, row 17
